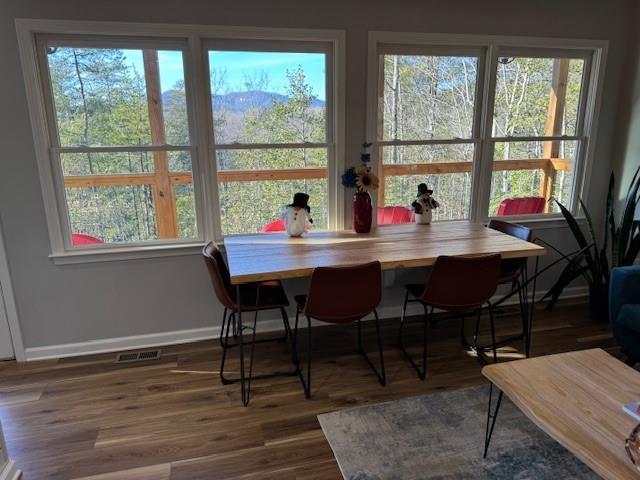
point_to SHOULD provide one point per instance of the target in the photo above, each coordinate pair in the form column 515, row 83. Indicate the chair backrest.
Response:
column 394, row 215
column 513, row 229
column 275, row 226
column 344, row 294
column 461, row 284
column 84, row 239
column 521, row 206
column 219, row 274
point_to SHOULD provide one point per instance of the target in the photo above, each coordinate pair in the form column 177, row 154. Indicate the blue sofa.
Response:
column 624, row 310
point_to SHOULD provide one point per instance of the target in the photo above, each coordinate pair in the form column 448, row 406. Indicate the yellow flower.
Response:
column 361, row 170
column 367, row 182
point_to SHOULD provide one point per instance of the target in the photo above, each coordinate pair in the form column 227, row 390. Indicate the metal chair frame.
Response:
column 306, row 384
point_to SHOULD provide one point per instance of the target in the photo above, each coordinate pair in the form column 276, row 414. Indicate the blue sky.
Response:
column 239, row 66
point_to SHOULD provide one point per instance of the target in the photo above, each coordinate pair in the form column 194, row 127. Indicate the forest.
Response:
column 100, row 100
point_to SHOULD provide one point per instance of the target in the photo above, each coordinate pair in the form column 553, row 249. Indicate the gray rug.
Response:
column 441, row 436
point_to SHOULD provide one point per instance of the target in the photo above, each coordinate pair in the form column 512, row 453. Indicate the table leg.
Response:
column 241, row 346
column 491, row 418
column 532, row 309
column 253, row 345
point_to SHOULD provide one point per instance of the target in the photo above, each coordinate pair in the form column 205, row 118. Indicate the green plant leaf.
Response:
column 597, row 272
column 626, row 226
column 574, row 268
column 609, row 221
column 634, row 249
column 573, row 225
column 572, row 271
column 579, row 236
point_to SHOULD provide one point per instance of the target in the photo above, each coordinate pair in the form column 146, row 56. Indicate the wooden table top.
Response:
column 277, row 256
column 577, row 399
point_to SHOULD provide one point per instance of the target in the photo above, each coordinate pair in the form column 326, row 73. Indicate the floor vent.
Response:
column 140, row 356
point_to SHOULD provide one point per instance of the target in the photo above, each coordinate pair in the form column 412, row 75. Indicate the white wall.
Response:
column 627, row 155
column 77, row 303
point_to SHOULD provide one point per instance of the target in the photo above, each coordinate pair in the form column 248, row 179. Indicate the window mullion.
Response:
column 483, row 165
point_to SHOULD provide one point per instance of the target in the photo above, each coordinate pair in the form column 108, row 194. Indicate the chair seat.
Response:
column 272, row 295
column 417, row 289
column 301, row 301
column 629, row 317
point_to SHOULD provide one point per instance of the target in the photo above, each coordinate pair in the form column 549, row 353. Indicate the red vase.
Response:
column 362, row 212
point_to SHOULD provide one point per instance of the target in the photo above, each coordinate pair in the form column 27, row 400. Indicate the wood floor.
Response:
column 89, row 418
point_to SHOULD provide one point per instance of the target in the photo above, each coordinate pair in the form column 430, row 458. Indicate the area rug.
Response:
column 441, row 436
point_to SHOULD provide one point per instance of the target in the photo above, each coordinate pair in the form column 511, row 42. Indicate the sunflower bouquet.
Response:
column 361, row 177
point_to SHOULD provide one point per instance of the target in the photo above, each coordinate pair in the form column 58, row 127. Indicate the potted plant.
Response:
column 620, row 246
column 364, row 181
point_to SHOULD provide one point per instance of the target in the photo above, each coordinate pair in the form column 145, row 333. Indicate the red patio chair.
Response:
column 275, row 226
column 521, row 206
column 394, row 215
column 83, row 239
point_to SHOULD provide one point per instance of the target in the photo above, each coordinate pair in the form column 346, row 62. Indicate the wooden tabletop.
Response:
column 277, row 256
column 577, row 399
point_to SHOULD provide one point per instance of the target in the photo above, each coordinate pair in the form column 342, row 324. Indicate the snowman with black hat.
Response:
column 424, row 204
column 296, row 215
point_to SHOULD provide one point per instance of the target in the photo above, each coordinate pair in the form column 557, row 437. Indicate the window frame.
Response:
column 56, row 150
column 196, row 86
column 495, row 46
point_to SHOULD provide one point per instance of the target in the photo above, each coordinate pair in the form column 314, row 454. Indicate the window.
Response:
column 535, row 132
column 428, row 131
column 120, row 141
column 151, row 139
column 271, row 132
column 493, row 129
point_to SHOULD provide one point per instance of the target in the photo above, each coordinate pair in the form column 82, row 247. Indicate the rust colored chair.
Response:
column 254, row 297
column 394, row 215
column 460, row 285
column 514, row 272
column 521, row 206
column 340, row 295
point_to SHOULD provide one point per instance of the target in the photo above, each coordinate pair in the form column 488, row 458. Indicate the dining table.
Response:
column 277, row 256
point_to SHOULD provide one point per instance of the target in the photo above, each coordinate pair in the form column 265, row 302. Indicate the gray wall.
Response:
column 77, row 303
column 626, row 158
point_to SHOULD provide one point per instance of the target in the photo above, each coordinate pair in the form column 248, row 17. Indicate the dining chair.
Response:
column 254, row 297
column 340, row 295
column 513, row 271
column 460, row 285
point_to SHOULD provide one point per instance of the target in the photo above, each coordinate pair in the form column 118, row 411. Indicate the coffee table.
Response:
column 577, row 399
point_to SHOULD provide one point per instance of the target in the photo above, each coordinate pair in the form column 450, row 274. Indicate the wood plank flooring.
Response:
column 171, row 419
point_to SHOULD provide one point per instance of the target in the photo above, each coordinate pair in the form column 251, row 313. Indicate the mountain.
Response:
column 240, row 102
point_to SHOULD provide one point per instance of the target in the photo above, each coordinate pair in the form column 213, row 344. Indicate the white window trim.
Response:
column 482, row 169
column 195, row 78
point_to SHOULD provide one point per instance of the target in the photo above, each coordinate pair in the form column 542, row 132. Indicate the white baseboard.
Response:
column 10, row 471
column 197, row 334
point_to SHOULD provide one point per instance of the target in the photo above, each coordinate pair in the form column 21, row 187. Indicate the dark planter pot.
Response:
column 599, row 305
column 362, row 212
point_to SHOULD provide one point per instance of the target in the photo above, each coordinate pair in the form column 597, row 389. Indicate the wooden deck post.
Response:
column 555, row 115
column 164, row 197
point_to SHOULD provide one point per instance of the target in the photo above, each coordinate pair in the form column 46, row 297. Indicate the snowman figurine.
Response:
column 297, row 214
column 424, row 204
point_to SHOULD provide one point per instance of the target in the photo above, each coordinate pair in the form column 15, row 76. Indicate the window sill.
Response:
column 539, row 222
column 117, row 254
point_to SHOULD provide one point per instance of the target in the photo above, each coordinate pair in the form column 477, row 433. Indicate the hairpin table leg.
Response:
column 491, row 418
